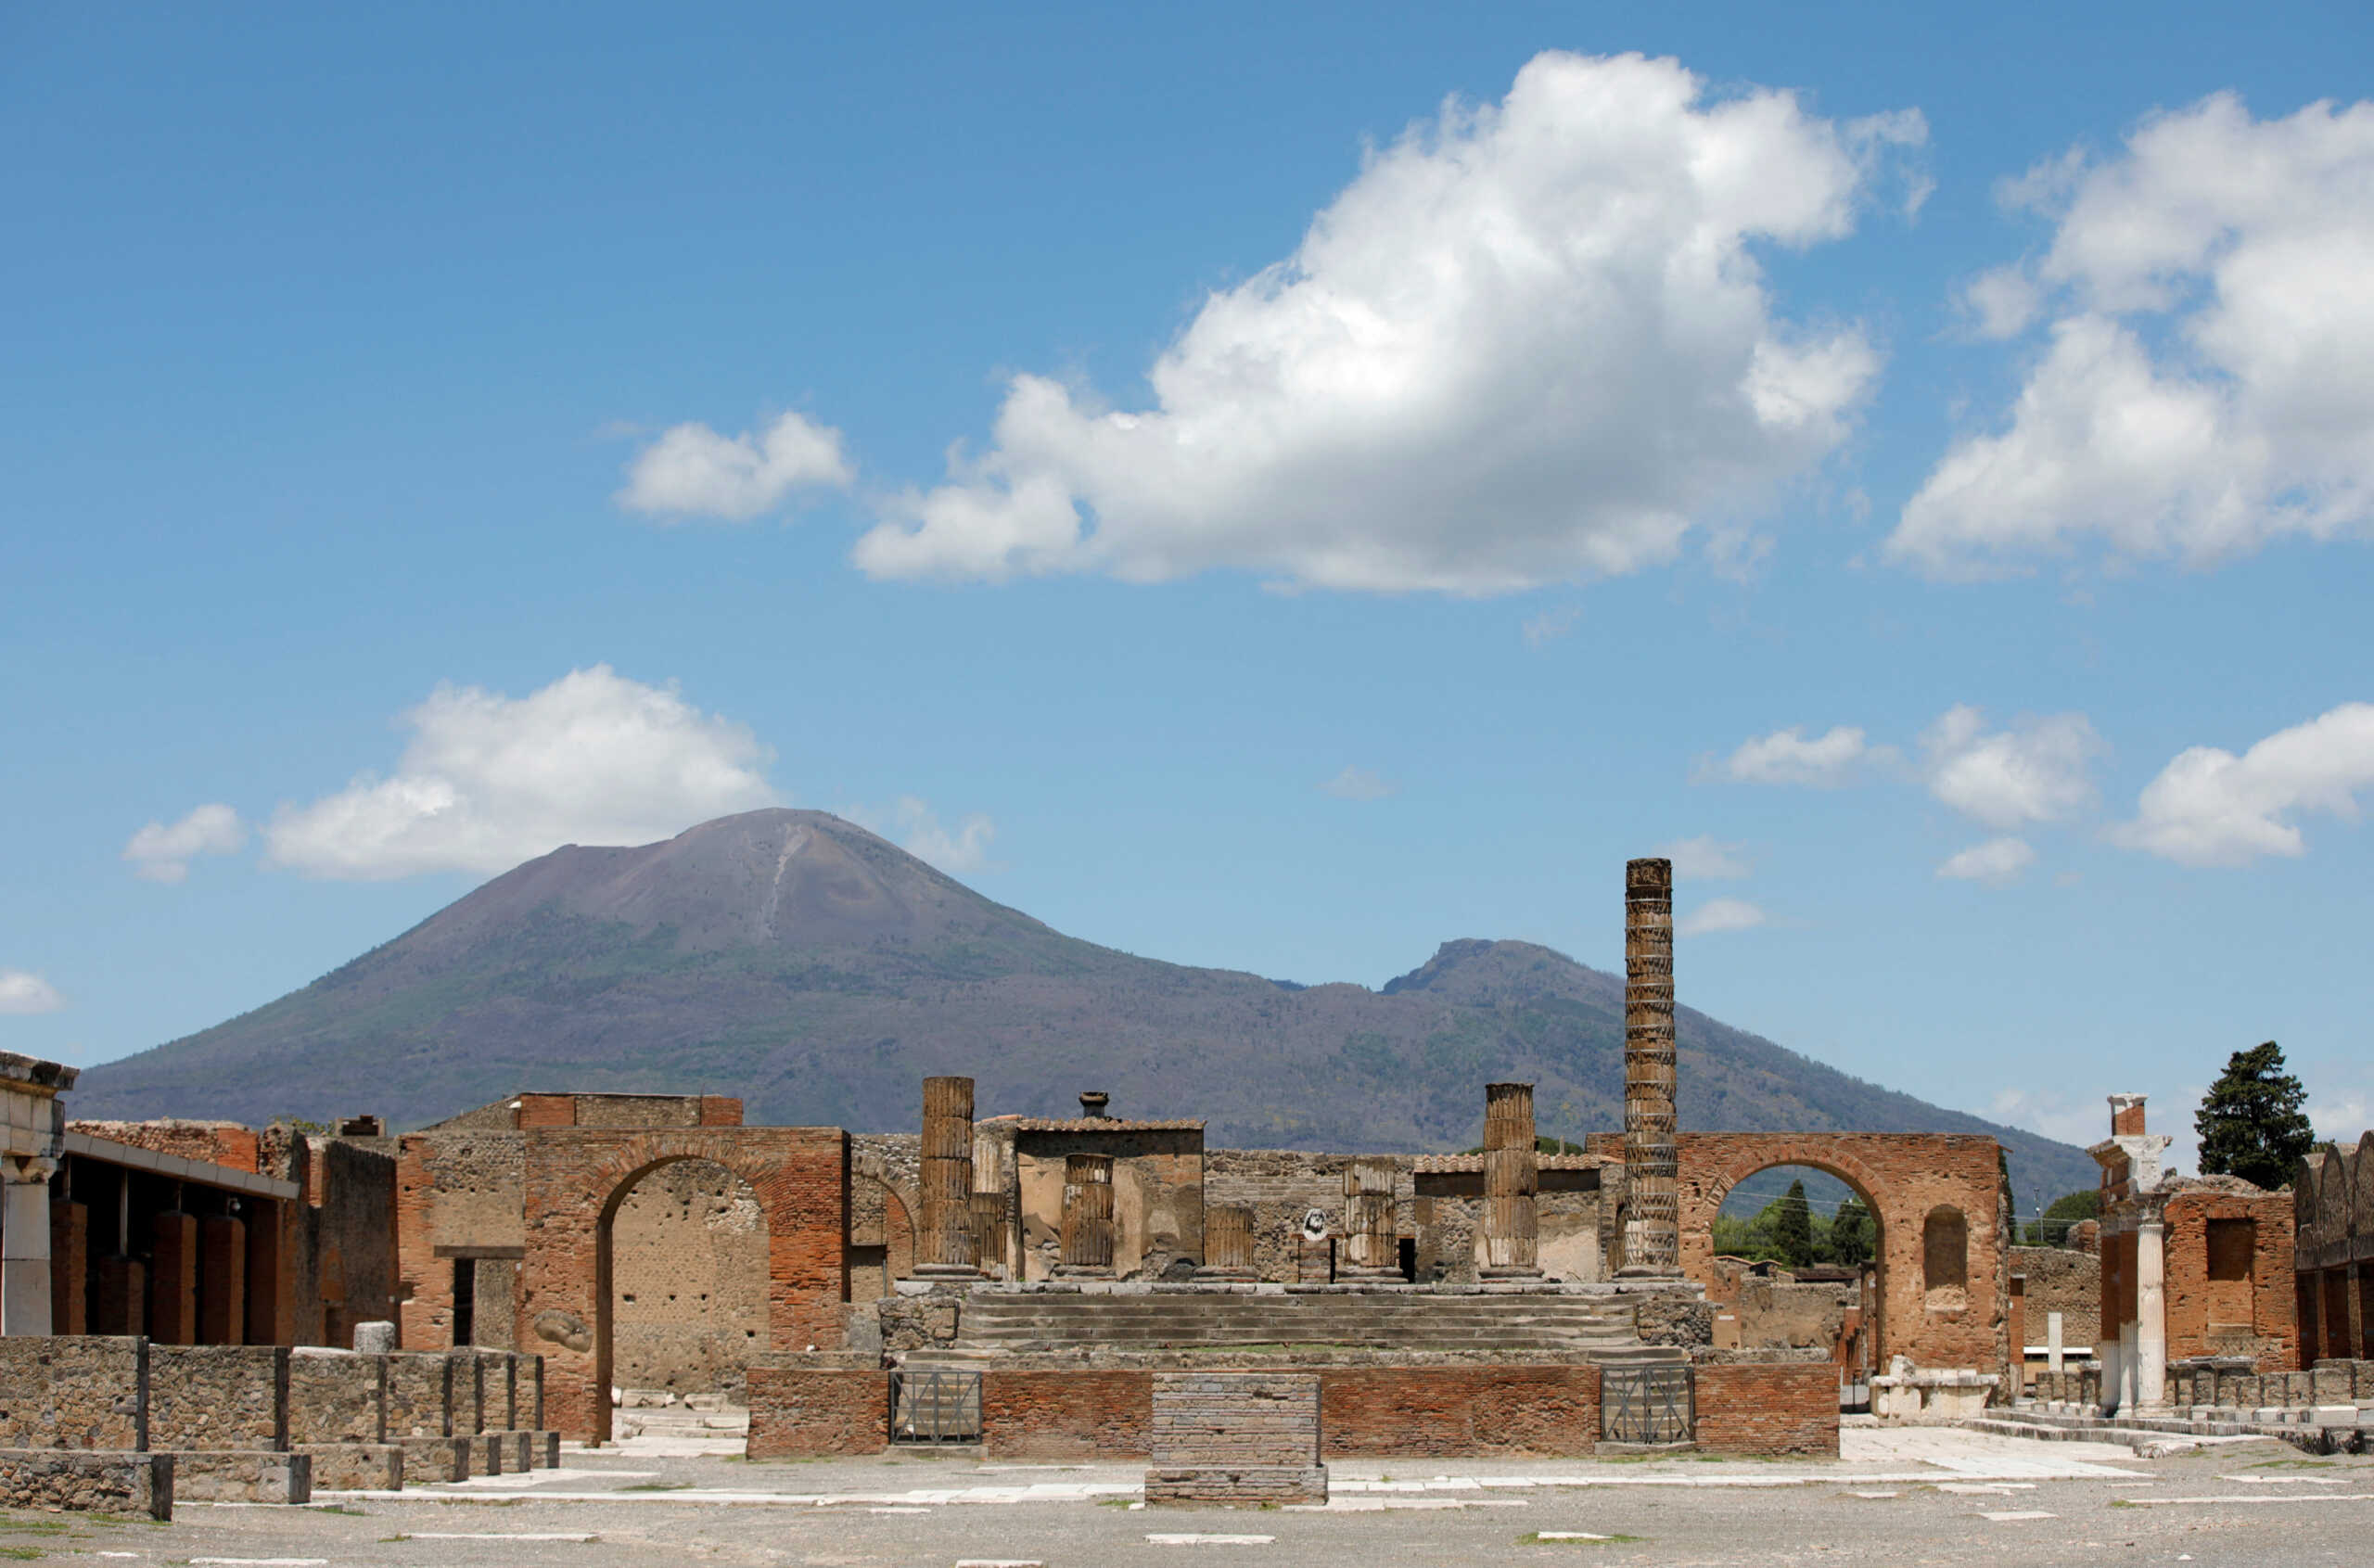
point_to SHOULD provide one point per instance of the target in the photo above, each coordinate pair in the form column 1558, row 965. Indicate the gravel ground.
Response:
column 1896, row 1498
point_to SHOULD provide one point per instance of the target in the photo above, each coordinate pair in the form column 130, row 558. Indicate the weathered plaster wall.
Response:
column 689, row 1280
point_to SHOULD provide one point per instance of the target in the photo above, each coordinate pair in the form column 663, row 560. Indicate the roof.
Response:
column 1104, row 1124
column 231, row 1177
column 1473, row 1164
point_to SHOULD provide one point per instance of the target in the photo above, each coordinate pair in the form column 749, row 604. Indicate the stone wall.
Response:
column 1158, row 1196
column 798, row 1412
column 1767, row 1410
column 689, row 1278
column 460, row 1190
column 218, row 1397
column 2065, row 1280
column 87, row 1393
column 351, row 1231
column 884, row 1201
column 2228, row 1271
column 1235, row 1437
column 336, row 1396
column 52, row 1480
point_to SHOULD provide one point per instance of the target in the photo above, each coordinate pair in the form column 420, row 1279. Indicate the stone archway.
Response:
column 1903, row 1178
column 575, row 1180
column 882, row 1226
column 682, row 1277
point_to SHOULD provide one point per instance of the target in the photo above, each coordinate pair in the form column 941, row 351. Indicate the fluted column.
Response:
column 944, row 1246
column 1088, row 1215
column 1372, row 1233
column 1512, row 1177
column 1653, row 1222
column 1228, row 1243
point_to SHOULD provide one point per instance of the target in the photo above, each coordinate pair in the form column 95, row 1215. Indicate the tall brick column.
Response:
column 1512, row 1177
column 944, row 1241
column 69, row 1250
column 120, row 1304
column 1653, row 1222
column 1088, row 1215
column 222, row 1293
column 1372, row 1238
column 172, row 1279
column 270, row 1291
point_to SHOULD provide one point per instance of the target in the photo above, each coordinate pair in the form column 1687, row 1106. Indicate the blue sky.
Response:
column 1178, row 475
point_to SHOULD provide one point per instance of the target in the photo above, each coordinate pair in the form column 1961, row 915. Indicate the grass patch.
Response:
column 22, row 1554
column 36, row 1526
column 658, row 1486
column 2297, row 1464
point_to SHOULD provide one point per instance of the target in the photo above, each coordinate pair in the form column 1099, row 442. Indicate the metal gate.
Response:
column 935, row 1404
column 1647, row 1405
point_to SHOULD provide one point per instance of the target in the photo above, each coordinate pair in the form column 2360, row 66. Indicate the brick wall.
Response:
column 222, row 1143
column 811, row 1413
column 1449, row 1412
column 1767, row 1410
column 1067, row 1415
column 2065, row 1280
column 2252, row 1311
column 1235, row 1419
column 689, row 1278
column 574, row 1175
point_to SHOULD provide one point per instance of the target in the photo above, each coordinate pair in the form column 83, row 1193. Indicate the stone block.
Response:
column 420, row 1395
column 435, row 1459
column 217, row 1396
column 469, row 1394
column 336, row 1396
column 356, row 1467
column 486, row 1452
column 375, row 1338
column 1238, row 1486
column 516, row 1450
column 221, row 1476
column 89, row 1391
column 88, row 1481
column 2329, row 1383
column 499, row 1390
column 543, row 1451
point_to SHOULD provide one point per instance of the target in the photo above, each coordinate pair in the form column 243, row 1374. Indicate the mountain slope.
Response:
column 818, row 972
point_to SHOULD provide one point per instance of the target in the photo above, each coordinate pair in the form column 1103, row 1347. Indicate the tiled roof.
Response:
column 1104, row 1124
column 1473, row 1164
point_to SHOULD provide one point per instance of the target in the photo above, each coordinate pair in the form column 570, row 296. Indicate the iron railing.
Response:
column 935, row 1404
column 1648, row 1404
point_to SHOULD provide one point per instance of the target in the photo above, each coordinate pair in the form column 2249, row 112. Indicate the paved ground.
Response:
column 1897, row 1497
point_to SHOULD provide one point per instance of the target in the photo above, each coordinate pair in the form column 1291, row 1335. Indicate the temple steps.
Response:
column 1054, row 1322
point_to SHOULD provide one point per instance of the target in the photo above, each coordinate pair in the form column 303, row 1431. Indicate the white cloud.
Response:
column 1996, row 862
column 2084, row 1121
column 163, row 854
column 1719, row 915
column 1705, row 857
column 2208, row 807
column 1357, row 783
column 2039, row 770
column 1530, row 343
column 692, row 471
column 24, row 992
column 1551, row 625
column 2340, row 1117
column 2207, row 383
column 1786, row 757
column 918, row 830
column 488, row 781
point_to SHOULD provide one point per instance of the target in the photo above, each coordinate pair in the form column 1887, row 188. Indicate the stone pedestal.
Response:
column 945, row 1237
column 1652, row 1219
column 1088, row 1216
column 25, row 1295
column 1246, row 1439
column 1228, row 1244
column 1512, row 1177
column 1372, row 1232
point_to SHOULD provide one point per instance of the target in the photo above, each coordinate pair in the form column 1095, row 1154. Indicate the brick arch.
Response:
column 575, row 1179
column 900, row 1204
column 1901, row 1176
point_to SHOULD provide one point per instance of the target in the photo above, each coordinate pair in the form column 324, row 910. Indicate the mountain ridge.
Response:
column 817, row 971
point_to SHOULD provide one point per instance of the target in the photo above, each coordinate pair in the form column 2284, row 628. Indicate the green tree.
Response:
column 1793, row 1226
column 2061, row 1217
column 1853, row 1239
column 2250, row 1123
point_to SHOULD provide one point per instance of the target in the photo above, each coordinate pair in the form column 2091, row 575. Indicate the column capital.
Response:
column 26, row 1169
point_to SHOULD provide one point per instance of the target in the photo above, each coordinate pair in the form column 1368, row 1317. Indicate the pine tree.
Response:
column 2250, row 1123
column 1851, row 1241
column 1792, row 1228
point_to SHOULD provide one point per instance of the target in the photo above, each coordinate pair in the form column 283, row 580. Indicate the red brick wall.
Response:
column 1450, row 1413
column 575, row 1179
column 2263, row 1308
column 547, row 1110
column 69, row 1285
column 1769, row 1409
column 1904, row 1176
column 803, row 1413
column 222, row 1143
column 721, row 1110
column 1067, row 1415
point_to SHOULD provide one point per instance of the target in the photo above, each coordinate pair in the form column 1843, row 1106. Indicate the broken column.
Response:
column 1088, row 1216
column 1372, row 1233
column 1228, row 1243
column 945, row 1244
column 1512, row 1177
column 1652, row 1219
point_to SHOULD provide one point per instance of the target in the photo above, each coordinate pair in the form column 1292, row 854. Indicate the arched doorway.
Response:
column 680, row 1282
column 1796, row 1262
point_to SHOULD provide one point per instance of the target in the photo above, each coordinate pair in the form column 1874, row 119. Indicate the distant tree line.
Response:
column 1789, row 1233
